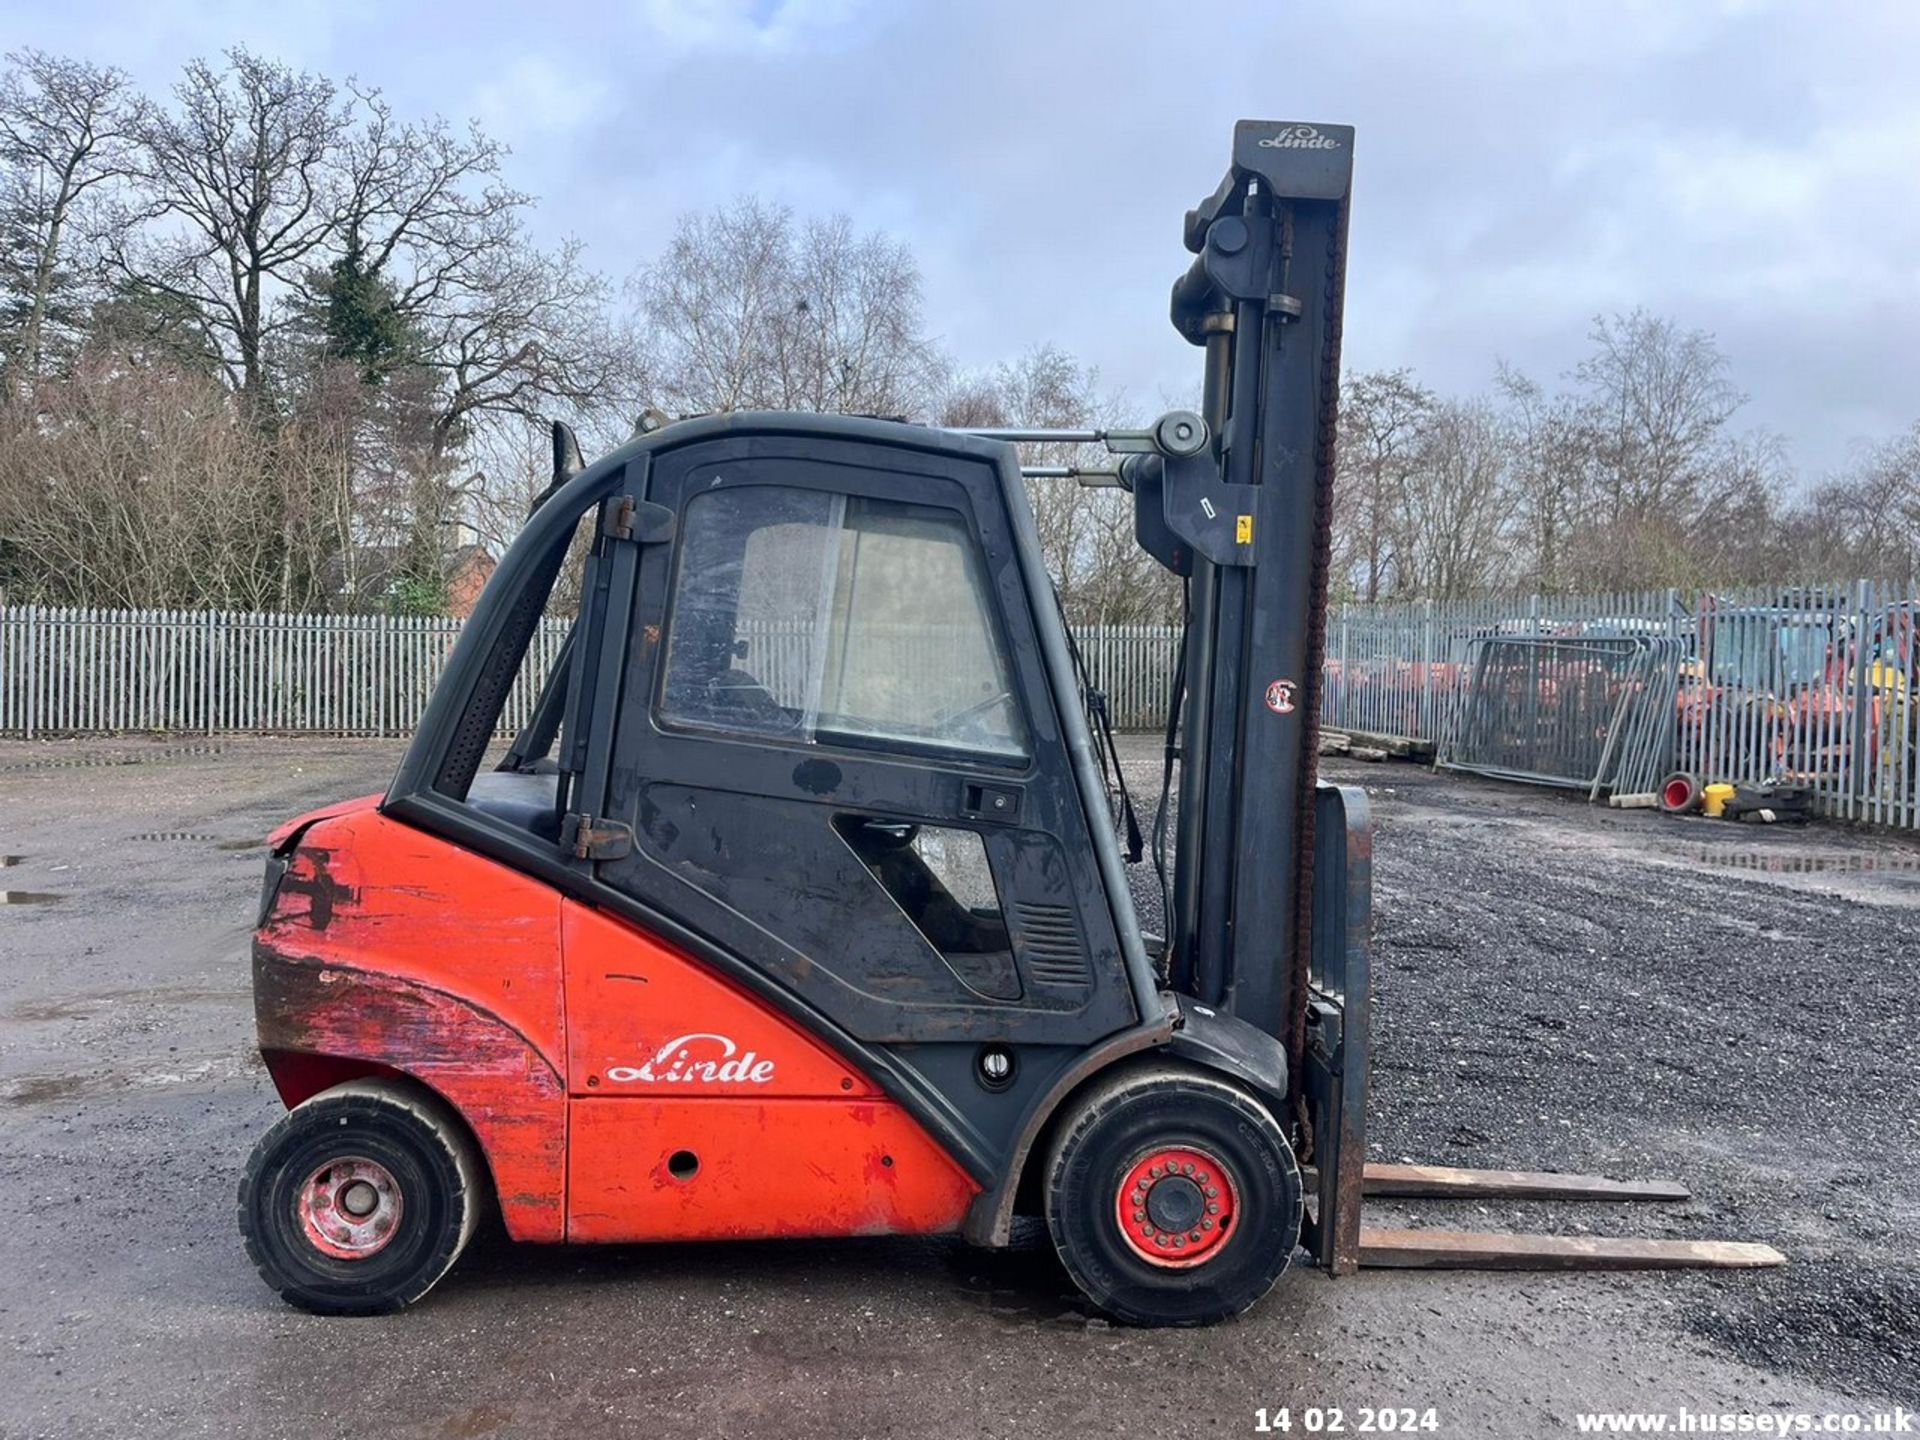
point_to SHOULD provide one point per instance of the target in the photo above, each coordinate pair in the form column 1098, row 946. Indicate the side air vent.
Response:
column 1049, row 945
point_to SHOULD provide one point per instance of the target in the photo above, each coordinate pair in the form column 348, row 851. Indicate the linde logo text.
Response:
column 697, row 1059
column 1299, row 137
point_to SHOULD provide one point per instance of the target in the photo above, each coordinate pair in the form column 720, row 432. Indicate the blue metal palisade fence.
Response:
column 1816, row 683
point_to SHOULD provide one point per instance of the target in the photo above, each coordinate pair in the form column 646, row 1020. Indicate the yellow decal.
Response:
column 1243, row 530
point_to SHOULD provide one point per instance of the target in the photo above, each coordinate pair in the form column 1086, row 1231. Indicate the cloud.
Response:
column 1744, row 166
column 765, row 26
column 537, row 99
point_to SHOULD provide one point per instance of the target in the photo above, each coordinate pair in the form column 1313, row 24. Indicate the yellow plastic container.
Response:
column 1713, row 799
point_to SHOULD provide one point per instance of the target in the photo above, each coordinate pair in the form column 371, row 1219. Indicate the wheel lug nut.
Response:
column 1206, row 1224
column 1187, row 1169
column 1201, row 1177
column 1139, row 1215
column 1213, row 1191
column 1214, row 1208
column 1160, row 1240
column 1195, row 1237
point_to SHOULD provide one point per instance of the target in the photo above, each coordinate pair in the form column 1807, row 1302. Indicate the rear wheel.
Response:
column 359, row 1200
column 1173, row 1198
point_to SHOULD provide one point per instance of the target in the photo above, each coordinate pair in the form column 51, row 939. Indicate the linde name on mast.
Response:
column 1299, row 137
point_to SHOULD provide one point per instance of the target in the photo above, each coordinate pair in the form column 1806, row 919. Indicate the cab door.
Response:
column 842, row 764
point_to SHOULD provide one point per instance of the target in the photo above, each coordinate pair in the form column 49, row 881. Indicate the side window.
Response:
column 941, row 880
column 822, row 617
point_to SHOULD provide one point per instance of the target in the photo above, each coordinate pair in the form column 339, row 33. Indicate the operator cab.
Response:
column 816, row 715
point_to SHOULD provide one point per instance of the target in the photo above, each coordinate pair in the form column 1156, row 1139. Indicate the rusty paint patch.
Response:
column 306, row 1004
column 310, row 878
column 506, row 1089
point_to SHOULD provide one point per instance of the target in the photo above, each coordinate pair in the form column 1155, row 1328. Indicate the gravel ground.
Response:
column 1620, row 993
column 1558, row 988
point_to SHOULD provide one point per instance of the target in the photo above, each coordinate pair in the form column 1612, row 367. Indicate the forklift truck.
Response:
column 798, row 907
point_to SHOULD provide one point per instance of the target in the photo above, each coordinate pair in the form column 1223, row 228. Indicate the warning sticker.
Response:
column 1243, row 530
column 1280, row 697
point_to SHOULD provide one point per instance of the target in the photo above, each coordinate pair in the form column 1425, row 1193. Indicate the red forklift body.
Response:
column 391, row 951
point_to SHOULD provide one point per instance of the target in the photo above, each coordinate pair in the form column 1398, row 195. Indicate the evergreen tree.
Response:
column 357, row 319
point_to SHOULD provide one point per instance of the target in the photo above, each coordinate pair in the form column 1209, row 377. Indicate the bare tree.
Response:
column 852, row 340
column 1086, row 534
column 520, row 333
column 243, row 187
column 1736, row 534
column 1656, row 400
column 423, row 206
column 1551, row 475
column 137, row 487
column 63, row 134
column 1383, row 418
column 1458, row 504
column 1865, row 520
column 749, row 310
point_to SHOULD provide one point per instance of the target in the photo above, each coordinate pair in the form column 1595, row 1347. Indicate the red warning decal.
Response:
column 1280, row 697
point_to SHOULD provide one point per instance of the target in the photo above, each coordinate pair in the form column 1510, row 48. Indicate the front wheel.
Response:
column 1173, row 1198
column 361, row 1198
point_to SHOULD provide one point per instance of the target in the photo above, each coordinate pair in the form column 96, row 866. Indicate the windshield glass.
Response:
column 818, row 616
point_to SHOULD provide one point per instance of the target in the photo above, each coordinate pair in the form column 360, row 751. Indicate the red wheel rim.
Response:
column 1679, row 794
column 1176, row 1206
column 349, row 1208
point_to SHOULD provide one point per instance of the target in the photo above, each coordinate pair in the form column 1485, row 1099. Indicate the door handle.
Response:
column 981, row 801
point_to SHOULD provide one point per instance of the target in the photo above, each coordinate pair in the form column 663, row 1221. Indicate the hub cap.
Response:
column 349, row 1208
column 1176, row 1206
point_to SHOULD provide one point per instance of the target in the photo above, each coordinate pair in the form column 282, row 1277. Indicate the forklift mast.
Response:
column 1264, row 300
column 1247, row 521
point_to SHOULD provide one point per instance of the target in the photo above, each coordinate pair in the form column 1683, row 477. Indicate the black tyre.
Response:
column 1173, row 1197
column 359, row 1200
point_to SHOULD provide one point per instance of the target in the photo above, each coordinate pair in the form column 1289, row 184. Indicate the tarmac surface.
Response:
column 1558, row 988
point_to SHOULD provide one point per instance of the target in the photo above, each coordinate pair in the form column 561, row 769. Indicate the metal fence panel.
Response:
column 1589, row 712
column 1810, row 683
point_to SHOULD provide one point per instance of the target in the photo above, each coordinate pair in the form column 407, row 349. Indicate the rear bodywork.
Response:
column 388, row 951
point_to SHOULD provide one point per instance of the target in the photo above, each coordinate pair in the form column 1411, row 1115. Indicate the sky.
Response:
column 1746, row 167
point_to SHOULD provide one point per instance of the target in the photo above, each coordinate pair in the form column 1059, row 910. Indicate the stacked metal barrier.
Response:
column 1590, row 713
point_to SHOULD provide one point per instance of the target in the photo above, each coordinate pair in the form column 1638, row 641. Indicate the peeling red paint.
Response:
column 393, row 951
